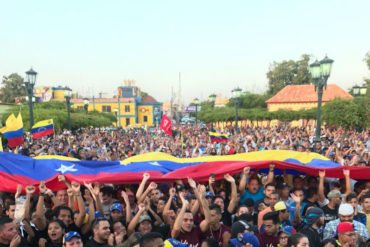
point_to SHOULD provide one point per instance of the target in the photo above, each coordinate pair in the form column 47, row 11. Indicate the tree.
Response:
column 287, row 73
column 13, row 86
column 58, row 112
column 250, row 100
column 346, row 113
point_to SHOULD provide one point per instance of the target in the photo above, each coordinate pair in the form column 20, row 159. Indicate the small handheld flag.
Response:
column 42, row 128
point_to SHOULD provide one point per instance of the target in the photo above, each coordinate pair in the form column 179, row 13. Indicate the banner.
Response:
column 18, row 169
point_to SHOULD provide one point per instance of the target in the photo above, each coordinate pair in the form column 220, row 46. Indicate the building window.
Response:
column 106, row 108
column 145, row 119
column 127, row 121
column 127, row 108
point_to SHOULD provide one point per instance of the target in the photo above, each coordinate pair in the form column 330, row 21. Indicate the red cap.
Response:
column 345, row 227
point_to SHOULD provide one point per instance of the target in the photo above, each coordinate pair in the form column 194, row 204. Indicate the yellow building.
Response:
column 128, row 106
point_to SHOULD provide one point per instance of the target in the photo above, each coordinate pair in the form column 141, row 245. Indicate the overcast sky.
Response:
column 92, row 46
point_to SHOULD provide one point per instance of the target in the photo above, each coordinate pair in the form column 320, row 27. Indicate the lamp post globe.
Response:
column 236, row 93
column 30, row 83
column 363, row 90
column 356, row 90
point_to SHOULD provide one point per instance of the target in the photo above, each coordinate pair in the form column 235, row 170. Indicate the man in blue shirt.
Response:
column 253, row 189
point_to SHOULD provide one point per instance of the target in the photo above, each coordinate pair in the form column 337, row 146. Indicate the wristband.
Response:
column 42, row 194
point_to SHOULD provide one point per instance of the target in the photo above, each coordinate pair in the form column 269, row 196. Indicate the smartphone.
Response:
column 212, row 175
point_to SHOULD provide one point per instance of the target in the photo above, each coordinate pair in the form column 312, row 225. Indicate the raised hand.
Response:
column 153, row 186
column 172, row 192
column 322, row 173
column 70, row 192
column 246, row 170
column 88, row 196
column 192, row 183
column 211, row 180
column 146, row 176
column 124, row 196
column 19, row 191
column 30, row 189
column 202, row 189
column 229, row 178
column 346, row 172
column 119, row 236
column 75, row 188
column 61, row 178
column 42, row 187
column 141, row 207
column 183, row 200
column 295, row 198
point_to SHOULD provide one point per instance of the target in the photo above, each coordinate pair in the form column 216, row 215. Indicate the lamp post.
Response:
column 30, row 83
column 116, row 113
column 196, row 103
column 86, row 104
column 236, row 93
column 359, row 91
column 320, row 72
column 68, row 95
column 212, row 99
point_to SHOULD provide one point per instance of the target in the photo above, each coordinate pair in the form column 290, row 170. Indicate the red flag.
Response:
column 166, row 125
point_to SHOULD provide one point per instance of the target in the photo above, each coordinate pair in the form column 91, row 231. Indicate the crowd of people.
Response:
column 247, row 209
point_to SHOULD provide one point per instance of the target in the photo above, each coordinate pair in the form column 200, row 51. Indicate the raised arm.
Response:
column 234, row 199
column 151, row 187
column 128, row 206
column 211, row 181
column 27, row 205
column 62, row 178
column 298, row 205
column 179, row 219
column 167, row 207
column 320, row 189
column 200, row 195
column 347, row 177
column 140, row 190
column 81, row 205
column 86, row 227
column 148, row 208
column 133, row 223
column 244, row 179
column 40, row 220
column 270, row 175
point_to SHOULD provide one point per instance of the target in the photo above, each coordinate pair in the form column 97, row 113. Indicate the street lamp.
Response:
column 320, row 72
column 356, row 90
column 212, row 99
column 116, row 113
column 30, row 83
column 196, row 103
column 236, row 93
column 68, row 95
column 86, row 104
column 359, row 91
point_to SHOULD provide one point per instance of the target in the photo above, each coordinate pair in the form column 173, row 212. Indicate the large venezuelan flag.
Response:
column 18, row 169
column 216, row 137
column 42, row 128
column 13, row 130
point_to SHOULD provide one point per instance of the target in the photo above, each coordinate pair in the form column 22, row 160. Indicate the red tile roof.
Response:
column 307, row 93
column 149, row 99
